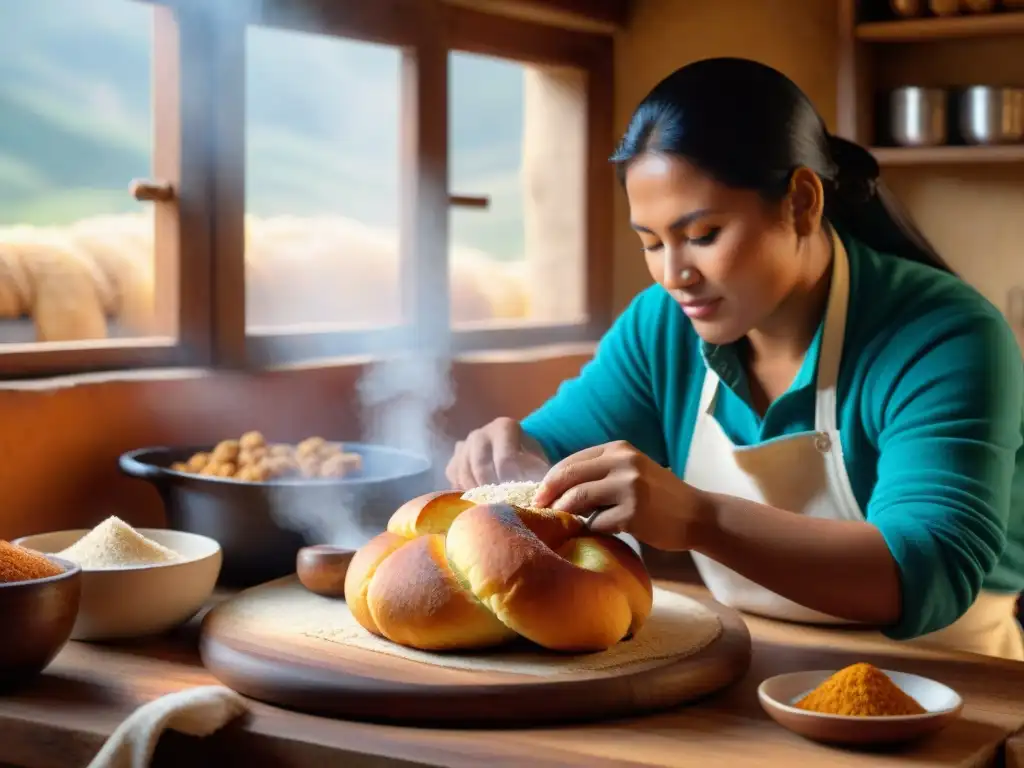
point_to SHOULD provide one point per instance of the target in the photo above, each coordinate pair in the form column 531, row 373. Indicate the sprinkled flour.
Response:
column 284, row 610
column 115, row 544
column 518, row 494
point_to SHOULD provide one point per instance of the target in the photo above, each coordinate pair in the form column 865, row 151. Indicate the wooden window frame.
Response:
column 200, row 152
column 181, row 106
column 487, row 34
column 427, row 32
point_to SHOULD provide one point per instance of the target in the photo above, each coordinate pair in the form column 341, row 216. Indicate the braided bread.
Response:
column 452, row 574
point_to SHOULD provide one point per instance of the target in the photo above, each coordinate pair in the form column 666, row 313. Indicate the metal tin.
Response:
column 917, row 116
column 991, row 115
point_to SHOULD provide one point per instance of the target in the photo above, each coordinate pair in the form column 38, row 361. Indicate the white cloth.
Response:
column 194, row 712
column 806, row 474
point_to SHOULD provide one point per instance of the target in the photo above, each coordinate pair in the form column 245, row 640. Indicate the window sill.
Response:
column 510, row 356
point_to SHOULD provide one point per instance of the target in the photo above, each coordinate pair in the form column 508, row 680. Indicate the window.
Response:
column 517, row 137
column 552, row 184
column 83, row 281
column 310, row 180
column 322, row 184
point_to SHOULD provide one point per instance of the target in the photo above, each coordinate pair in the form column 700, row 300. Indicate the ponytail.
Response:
column 859, row 203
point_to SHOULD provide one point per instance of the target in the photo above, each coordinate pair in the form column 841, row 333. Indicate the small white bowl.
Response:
column 778, row 695
column 142, row 600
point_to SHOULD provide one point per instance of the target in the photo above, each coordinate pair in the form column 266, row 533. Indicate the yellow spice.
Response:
column 860, row 690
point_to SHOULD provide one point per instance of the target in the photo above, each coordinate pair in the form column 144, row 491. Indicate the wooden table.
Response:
column 64, row 717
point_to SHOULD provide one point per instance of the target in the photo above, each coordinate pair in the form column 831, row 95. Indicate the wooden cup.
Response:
column 321, row 569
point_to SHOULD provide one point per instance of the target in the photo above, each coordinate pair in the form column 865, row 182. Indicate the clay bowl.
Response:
column 121, row 603
column 778, row 694
column 321, row 569
column 38, row 616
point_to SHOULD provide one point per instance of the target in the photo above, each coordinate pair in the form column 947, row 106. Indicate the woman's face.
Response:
column 728, row 257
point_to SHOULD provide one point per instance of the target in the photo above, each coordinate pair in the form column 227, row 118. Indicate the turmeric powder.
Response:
column 861, row 690
column 20, row 564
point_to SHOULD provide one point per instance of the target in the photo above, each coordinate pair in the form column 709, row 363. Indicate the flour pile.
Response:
column 115, row 544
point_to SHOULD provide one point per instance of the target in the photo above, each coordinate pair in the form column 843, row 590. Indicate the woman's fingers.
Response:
column 481, row 458
column 453, row 472
column 612, row 520
column 507, row 449
column 492, row 454
column 458, row 472
column 584, row 498
column 466, row 480
column 497, row 453
column 582, row 467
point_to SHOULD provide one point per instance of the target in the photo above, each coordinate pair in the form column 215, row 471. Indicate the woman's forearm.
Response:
column 839, row 567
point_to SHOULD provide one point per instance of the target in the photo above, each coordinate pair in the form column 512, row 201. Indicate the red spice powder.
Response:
column 20, row 564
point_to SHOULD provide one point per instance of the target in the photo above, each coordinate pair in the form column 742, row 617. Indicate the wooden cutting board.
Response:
column 249, row 645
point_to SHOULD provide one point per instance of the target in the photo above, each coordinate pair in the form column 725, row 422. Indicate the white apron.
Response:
column 806, row 474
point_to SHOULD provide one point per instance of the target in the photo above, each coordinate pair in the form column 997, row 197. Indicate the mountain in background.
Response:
column 322, row 123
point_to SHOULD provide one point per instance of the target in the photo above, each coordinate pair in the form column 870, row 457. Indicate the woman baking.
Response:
column 808, row 400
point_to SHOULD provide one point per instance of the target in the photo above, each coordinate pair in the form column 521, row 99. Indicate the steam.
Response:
column 332, row 519
column 401, row 399
column 401, row 396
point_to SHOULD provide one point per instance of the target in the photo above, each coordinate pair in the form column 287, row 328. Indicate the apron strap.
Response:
column 832, row 337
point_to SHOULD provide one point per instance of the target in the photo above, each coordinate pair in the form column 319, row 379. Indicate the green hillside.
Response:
column 322, row 122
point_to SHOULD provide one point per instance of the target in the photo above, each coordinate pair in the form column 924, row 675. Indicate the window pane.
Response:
column 76, row 250
column 322, row 182
column 517, row 139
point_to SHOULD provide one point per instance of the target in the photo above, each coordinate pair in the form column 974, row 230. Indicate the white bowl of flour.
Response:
column 135, row 583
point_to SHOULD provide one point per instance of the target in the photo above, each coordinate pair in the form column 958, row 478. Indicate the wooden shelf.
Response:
column 901, row 156
column 944, row 28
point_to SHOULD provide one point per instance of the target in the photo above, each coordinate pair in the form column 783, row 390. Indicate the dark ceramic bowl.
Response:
column 262, row 526
column 38, row 616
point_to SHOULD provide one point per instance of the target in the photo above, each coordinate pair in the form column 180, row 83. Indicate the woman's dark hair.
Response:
column 749, row 126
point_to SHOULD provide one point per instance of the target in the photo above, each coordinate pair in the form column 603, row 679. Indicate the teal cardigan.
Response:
column 931, row 413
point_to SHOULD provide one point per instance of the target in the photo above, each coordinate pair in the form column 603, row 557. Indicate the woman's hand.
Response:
column 638, row 496
column 496, row 453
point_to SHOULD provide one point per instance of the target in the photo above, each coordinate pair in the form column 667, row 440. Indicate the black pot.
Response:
column 262, row 526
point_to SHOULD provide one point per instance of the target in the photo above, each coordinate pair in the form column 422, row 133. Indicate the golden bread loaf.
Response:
column 450, row 574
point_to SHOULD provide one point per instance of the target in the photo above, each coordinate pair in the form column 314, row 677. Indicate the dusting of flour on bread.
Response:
column 518, row 494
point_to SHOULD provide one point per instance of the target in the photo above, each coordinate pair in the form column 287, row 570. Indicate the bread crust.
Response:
column 449, row 574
